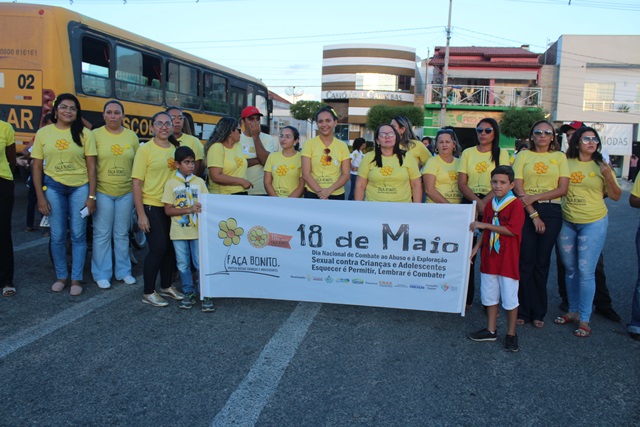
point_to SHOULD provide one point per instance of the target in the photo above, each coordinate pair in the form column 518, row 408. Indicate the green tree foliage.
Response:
column 306, row 110
column 381, row 114
column 517, row 122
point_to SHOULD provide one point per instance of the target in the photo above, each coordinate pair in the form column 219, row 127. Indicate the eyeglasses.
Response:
column 67, row 107
column 488, row 131
column 589, row 139
column 327, row 156
column 162, row 124
column 386, row 134
column 180, row 117
column 540, row 132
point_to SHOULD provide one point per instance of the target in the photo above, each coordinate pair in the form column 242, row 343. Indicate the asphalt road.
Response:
column 106, row 359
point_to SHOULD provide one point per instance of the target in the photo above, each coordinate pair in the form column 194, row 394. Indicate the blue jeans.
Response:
column 66, row 203
column 580, row 246
column 186, row 252
column 352, row 186
column 634, row 326
column 111, row 221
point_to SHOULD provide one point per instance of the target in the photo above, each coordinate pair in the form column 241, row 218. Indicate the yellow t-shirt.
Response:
column 636, row 188
column 540, row 172
column 232, row 162
column 478, row 167
column 255, row 173
column 584, row 202
column 193, row 143
column 446, row 178
column 153, row 165
column 182, row 196
column 115, row 160
column 325, row 171
column 285, row 172
column 7, row 138
column 420, row 152
column 391, row 182
column 65, row 161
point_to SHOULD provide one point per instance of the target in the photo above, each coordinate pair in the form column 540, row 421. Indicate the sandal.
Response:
column 8, row 291
column 76, row 288
column 520, row 322
column 538, row 324
column 59, row 285
column 565, row 320
column 583, row 331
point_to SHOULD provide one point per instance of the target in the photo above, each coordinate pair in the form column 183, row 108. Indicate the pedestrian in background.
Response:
column 356, row 157
column 409, row 141
column 7, row 187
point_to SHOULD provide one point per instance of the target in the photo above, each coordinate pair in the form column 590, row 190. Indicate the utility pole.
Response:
column 445, row 77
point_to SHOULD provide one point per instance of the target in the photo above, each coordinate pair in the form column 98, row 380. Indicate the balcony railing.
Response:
column 487, row 96
column 610, row 106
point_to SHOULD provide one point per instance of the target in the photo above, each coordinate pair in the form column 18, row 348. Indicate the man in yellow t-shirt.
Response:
column 256, row 147
column 7, row 165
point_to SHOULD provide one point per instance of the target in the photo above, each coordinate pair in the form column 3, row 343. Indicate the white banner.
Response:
column 411, row 256
column 617, row 139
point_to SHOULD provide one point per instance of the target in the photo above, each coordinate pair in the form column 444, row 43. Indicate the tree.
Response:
column 383, row 114
column 517, row 122
column 306, row 110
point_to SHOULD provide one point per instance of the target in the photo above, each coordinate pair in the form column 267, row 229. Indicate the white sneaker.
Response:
column 103, row 284
column 129, row 280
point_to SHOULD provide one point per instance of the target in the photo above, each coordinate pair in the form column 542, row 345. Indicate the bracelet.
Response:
column 534, row 214
column 93, row 197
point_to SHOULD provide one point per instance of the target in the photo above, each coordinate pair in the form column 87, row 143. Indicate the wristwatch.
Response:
column 93, row 197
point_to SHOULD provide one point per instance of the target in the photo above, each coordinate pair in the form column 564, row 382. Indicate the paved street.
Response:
column 104, row 358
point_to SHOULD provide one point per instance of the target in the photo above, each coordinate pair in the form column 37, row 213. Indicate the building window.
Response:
column 404, row 83
column 382, row 82
column 599, row 96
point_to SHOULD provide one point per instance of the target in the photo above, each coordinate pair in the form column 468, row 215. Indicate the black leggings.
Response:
column 6, row 244
column 160, row 256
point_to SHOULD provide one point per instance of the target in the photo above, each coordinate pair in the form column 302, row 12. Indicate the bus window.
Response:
column 237, row 102
column 250, row 95
column 138, row 76
column 182, row 86
column 95, row 67
column 261, row 104
column 215, row 93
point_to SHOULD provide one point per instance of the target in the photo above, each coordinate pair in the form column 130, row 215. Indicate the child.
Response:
column 500, row 256
column 180, row 200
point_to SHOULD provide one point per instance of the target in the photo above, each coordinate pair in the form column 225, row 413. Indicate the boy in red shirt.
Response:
column 499, row 268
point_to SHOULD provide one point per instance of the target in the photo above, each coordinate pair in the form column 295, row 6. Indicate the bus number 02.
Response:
column 315, row 236
column 26, row 82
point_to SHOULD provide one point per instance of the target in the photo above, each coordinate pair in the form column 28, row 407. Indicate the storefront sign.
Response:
column 617, row 139
column 370, row 94
column 309, row 250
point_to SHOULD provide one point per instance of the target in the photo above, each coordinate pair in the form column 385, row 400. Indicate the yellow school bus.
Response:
column 46, row 51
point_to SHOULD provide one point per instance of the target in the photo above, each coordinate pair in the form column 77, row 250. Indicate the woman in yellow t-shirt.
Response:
column 326, row 161
column 116, row 147
column 283, row 169
column 584, row 223
column 388, row 174
column 440, row 174
column 542, row 178
column 226, row 161
column 409, row 142
column 153, row 165
column 66, row 186
column 474, row 174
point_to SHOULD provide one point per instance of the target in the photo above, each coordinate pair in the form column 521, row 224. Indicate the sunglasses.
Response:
column 588, row 139
column 540, row 132
column 488, row 131
column 327, row 152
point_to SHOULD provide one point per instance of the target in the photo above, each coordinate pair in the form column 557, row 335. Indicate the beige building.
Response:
column 355, row 77
column 596, row 80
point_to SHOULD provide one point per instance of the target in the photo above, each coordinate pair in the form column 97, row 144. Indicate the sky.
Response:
column 281, row 41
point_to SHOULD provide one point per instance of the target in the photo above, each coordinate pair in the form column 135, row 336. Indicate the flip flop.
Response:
column 564, row 320
column 58, row 286
column 582, row 332
column 9, row 291
column 75, row 290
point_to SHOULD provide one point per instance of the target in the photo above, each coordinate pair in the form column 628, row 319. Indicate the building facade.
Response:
column 482, row 82
column 596, row 80
column 355, row 77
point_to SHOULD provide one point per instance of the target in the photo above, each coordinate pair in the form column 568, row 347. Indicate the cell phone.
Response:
column 84, row 212
column 605, row 156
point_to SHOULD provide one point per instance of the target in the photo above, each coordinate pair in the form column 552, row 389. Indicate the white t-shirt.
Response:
column 356, row 158
column 255, row 173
